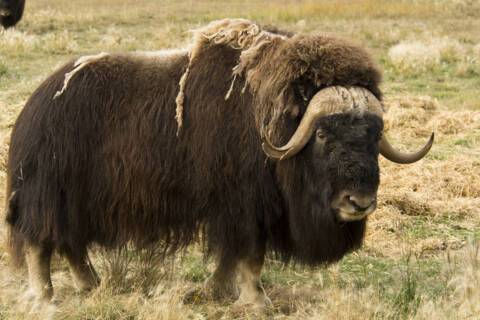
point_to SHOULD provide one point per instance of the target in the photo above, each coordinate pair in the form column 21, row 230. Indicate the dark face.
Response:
column 11, row 12
column 345, row 151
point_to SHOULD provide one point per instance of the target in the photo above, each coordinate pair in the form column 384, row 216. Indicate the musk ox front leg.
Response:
column 220, row 286
column 251, row 289
column 38, row 262
column 83, row 272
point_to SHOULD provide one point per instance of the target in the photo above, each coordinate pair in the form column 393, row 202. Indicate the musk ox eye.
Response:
column 320, row 135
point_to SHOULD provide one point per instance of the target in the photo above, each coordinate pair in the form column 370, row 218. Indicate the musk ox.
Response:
column 11, row 11
column 157, row 148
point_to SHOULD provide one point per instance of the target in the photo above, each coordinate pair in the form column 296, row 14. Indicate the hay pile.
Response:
column 415, row 57
column 433, row 188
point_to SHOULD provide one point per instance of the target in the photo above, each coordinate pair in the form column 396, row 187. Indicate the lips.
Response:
column 347, row 215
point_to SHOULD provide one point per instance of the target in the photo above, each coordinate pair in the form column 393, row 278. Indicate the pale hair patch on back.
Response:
column 166, row 53
column 79, row 65
column 240, row 34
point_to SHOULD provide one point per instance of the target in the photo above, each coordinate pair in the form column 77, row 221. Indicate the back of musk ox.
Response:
column 11, row 11
column 260, row 141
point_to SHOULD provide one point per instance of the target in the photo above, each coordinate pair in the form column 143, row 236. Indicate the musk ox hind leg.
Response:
column 38, row 262
column 82, row 270
column 220, row 286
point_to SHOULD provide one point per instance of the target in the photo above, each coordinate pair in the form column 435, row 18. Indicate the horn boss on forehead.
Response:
column 338, row 99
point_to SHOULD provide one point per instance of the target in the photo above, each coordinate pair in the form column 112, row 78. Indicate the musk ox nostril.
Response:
column 360, row 203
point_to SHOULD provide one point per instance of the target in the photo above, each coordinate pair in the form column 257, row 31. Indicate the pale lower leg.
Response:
column 38, row 262
column 251, row 289
column 219, row 287
column 83, row 272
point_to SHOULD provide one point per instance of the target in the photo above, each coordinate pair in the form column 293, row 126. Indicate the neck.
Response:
column 316, row 236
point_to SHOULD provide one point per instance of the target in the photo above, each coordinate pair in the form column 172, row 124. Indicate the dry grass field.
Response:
column 421, row 258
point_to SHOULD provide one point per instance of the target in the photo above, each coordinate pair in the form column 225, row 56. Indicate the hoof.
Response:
column 37, row 303
column 38, row 297
column 86, row 287
column 209, row 292
column 196, row 296
column 261, row 303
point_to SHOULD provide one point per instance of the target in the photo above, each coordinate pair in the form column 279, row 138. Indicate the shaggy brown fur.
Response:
column 102, row 163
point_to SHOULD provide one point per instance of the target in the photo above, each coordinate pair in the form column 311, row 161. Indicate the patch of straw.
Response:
column 415, row 57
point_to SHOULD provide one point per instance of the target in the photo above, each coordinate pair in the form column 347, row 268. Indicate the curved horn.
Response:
column 396, row 156
column 330, row 100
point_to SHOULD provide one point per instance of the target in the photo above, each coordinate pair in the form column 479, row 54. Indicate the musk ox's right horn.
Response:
column 335, row 99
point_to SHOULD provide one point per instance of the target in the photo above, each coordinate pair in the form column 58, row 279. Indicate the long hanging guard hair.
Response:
column 238, row 34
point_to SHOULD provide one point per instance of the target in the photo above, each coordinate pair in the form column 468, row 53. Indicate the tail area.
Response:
column 15, row 241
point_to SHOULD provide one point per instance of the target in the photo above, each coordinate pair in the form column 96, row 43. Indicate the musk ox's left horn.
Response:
column 335, row 99
column 396, row 156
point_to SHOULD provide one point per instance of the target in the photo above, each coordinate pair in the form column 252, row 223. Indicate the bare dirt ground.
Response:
column 421, row 258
